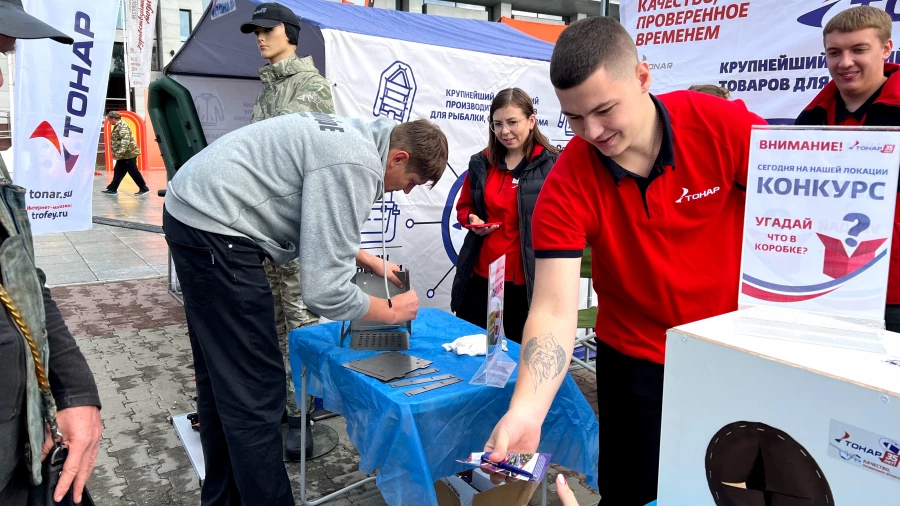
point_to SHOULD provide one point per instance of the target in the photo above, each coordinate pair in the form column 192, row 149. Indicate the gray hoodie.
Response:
column 300, row 184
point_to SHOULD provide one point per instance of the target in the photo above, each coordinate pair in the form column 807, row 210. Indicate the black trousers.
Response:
column 629, row 392
column 238, row 365
column 473, row 307
column 127, row 166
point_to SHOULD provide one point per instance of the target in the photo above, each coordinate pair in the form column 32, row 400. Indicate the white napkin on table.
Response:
column 473, row 346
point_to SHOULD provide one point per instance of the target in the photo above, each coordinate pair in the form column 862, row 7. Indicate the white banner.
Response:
column 222, row 105
column 140, row 25
column 59, row 102
column 453, row 88
column 819, row 220
column 768, row 53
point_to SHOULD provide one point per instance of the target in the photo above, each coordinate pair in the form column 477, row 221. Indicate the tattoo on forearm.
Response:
column 545, row 359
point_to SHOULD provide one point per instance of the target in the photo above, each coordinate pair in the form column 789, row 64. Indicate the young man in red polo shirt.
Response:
column 865, row 91
column 656, row 186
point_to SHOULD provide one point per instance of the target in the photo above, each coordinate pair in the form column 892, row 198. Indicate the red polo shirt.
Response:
column 839, row 115
column 666, row 249
column 501, row 202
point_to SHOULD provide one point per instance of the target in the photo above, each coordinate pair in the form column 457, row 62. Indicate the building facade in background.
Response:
column 560, row 12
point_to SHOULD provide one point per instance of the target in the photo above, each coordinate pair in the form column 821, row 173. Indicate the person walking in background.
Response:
column 125, row 152
column 290, row 85
column 502, row 186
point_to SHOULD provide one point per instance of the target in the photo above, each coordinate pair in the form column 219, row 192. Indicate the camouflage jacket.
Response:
column 292, row 85
column 123, row 143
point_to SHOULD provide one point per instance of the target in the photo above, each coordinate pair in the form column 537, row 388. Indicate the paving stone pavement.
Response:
column 134, row 337
column 107, row 253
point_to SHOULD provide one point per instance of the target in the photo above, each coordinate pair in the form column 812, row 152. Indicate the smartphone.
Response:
column 470, row 226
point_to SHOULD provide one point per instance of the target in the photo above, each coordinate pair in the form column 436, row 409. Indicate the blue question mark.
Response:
column 862, row 223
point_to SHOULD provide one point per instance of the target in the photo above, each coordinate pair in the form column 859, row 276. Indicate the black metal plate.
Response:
column 388, row 366
column 379, row 340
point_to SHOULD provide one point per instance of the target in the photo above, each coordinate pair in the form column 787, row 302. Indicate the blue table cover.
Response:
column 414, row 441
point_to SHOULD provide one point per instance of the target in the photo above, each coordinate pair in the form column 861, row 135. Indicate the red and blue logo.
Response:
column 46, row 131
column 883, row 148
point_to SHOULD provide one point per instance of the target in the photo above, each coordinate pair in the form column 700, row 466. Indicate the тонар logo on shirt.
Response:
column 695, row 196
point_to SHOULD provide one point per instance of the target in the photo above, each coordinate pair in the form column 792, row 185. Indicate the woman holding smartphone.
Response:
column 496, row 204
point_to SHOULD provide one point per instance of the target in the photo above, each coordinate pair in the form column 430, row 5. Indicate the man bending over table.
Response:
column 302, row 185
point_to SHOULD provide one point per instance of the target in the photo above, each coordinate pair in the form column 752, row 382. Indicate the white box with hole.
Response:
column 755, row 421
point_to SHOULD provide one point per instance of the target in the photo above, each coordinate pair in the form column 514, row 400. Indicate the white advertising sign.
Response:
column 141, row 27
column 222, row 105
column 454, row 88
column 819, row 220
column 59, row 102
column 768, row 53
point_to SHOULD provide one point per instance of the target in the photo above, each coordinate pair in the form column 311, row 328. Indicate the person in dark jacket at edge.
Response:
column 864, row 91
column 502, row 186
column 24, row 441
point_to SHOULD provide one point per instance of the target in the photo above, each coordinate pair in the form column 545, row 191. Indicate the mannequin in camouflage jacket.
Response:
column 290, row 84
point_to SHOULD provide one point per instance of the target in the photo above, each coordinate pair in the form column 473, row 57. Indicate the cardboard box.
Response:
column 511, row 494
column 481, row 480
column 748, row 417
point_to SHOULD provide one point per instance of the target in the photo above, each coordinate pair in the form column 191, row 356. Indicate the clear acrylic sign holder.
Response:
column 813, row 328
column 497, row 367
column 857, row 330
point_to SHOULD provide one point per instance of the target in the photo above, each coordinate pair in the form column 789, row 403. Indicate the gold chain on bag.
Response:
column 40, row 371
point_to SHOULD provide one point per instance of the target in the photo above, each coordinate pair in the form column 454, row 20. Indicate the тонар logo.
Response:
column 886, row 148
column 46, row 131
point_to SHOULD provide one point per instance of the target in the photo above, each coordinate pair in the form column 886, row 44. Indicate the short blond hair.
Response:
column 859, row 18
column 711, row 89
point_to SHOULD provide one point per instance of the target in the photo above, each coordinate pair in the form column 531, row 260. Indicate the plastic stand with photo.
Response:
column 497, row 367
